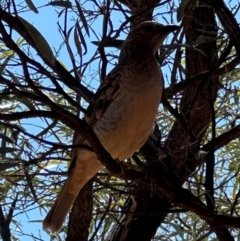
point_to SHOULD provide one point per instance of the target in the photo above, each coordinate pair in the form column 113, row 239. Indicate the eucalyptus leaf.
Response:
column 81, row 37
column 65, row 4
column 180, row 9
column 40, row 41
column 6, row 53
column 8, row 106
column 203, row 39
column 82, row 17
column 13, row 77
column 4, row 64
column 46, row 130
column 31, row 6
column 27, row 103
column 77, row 41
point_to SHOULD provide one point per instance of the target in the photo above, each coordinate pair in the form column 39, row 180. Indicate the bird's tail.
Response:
column 86, row 167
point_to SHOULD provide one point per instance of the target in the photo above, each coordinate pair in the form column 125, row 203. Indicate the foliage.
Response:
column 184, row 183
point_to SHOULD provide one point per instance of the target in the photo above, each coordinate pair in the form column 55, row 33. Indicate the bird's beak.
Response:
column 171, row 28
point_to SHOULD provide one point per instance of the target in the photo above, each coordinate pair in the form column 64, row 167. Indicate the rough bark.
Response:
column 81, row 215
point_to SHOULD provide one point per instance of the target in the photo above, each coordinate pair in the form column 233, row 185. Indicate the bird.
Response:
column 121, row 113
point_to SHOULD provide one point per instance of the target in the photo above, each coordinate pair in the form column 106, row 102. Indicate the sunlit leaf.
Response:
column 19, row 41
column 6, row 54
column 9, row 106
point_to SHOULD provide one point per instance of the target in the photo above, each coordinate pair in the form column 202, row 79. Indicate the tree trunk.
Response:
column 81, row 215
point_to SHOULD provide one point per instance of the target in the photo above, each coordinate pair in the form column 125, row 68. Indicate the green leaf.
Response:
column 8, row 106
column 27, row 103
column 203, row 39
column 45, row 131
column 31, row 6
column 178, row 229
column 6, row 54
column 180, row 9
column 233, row 166
column 65, row 4
column 81, row 37
column 77, row 41
column 4, row 64
column 14, row 78
column 236, row 97
column 82, row 17
column 40, row 41
column 19, row 41
column 30, row 184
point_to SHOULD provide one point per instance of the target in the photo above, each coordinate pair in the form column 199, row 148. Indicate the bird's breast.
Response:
column 127, row 123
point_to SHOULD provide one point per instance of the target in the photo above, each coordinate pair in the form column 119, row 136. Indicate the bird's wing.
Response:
column 105, row 94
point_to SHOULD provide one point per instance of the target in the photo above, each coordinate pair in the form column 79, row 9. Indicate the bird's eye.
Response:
column 150, row 28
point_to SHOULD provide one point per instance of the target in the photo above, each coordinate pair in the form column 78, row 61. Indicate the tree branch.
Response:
column 27, row 114
column 227, row 20
column 223, row 139
column 172, row 90
column 65, row 76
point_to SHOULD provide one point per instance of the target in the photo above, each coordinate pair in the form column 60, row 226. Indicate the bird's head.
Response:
column 148, row 35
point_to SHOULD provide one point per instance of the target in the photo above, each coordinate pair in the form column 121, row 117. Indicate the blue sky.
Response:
column 45, row 21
